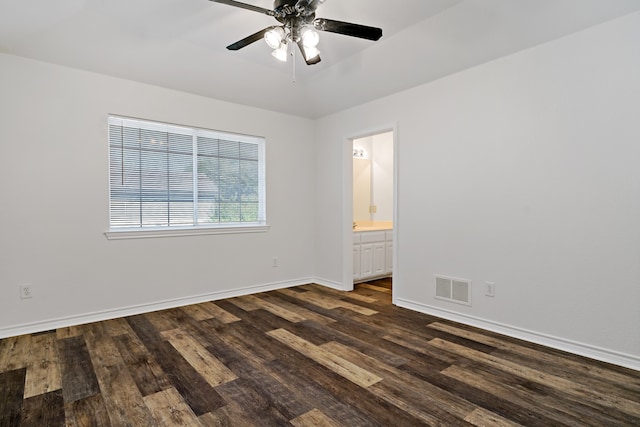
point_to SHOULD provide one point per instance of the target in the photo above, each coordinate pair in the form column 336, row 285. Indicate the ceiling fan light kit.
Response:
column 311, row 53
column 281, row 52
column 274, row 37
column 298, row 27
column 310, row 37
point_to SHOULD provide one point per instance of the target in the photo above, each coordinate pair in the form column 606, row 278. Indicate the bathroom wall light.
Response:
column 359, row 153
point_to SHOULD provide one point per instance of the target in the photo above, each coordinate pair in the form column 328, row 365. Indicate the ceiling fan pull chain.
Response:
column 293, row 60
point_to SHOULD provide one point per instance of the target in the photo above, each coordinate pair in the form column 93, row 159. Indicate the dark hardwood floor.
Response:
column 305, row 356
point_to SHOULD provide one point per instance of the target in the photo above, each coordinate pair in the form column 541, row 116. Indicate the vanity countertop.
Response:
column 373, row 225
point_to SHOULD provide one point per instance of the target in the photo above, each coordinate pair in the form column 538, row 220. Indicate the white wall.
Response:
column 524, row 172
column 54, row 186
column 362, row 181
column 382, row 176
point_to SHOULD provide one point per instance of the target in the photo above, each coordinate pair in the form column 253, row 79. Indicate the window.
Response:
column 172, row 177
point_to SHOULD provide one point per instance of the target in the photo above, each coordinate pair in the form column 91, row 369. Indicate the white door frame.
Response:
column 347, row 204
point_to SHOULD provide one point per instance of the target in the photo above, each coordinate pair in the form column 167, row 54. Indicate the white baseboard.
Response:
column 62, row 322
column 601, row 354
column 329, row 283
column 585, row 350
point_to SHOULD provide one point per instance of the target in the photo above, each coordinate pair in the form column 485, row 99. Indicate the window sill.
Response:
column 150, row 233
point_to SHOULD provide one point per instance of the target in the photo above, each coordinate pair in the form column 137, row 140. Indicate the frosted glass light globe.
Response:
column 274, row 37
column 310, row 38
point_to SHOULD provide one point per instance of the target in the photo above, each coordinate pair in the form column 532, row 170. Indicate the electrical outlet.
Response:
column 274, row 263
column 26, row 291
column 490, row 289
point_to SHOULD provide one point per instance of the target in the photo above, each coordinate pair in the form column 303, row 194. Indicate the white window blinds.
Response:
column 164, row 176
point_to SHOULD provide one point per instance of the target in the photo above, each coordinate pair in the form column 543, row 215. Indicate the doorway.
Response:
column 373, row 180
column 370, row 208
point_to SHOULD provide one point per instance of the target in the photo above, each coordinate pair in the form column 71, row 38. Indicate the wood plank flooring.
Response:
column 305, row 356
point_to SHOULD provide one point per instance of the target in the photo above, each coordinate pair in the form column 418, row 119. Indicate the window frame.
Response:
column 206, row 228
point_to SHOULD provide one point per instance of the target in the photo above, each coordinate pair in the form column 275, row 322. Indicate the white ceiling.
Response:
column 180, row 44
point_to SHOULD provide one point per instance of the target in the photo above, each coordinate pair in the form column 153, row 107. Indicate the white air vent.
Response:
column 453, row 289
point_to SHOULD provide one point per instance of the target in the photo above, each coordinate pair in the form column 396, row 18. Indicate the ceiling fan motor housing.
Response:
column 286, row 11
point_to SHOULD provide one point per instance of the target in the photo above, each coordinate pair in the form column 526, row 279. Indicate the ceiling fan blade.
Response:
column 348, row 29
column 248, row 40
column 310, row 61
column 246, row 6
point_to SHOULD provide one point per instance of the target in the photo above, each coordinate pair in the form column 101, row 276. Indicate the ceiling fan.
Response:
column 298, row 26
